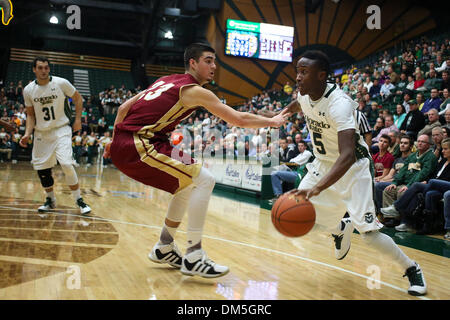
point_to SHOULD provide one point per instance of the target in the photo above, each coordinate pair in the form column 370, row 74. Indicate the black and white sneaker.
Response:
column 48, row 205
column 198, row 263
column 84, row 208
column 418, row 286
column 166, row 253
column 342, row 239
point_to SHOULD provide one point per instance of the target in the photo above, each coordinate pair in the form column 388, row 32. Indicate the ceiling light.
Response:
column 54, row 20
column 168, row 35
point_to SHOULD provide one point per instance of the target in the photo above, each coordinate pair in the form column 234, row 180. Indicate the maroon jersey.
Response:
column 159, row 110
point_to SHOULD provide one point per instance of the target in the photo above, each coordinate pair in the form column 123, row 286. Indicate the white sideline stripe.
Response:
column 241, row 244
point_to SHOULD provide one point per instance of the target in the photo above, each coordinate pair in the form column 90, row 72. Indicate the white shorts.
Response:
column 353, row 193
column 50, row 146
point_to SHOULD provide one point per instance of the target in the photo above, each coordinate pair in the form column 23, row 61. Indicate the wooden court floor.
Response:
column 62, row 255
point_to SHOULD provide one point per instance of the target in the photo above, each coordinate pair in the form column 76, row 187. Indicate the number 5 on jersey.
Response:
column 317, row 137
column 155, row 90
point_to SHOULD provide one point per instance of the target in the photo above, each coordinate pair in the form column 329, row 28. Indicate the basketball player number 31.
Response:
column 156, row 89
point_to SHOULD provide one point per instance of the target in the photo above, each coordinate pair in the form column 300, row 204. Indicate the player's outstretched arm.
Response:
column 198, row 96
column 9, row 127
column 293, row 107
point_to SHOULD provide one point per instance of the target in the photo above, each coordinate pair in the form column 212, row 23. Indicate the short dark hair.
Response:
column 303, row 142
column 385, row 136
column 195, row 51
column 42, row 59
column 410, row 139
column 322, row 60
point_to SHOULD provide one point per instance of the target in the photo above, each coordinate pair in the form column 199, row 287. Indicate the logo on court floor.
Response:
column 368, row 217
column 6, row 8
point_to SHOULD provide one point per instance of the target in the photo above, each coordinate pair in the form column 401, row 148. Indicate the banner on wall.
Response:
column 252, row 177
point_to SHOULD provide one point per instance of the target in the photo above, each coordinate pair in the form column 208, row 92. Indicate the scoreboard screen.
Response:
column 259, row 40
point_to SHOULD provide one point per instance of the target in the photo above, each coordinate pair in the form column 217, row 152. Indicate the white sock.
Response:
column 198, row 206
column 387, row 246
column 51, row 194
column 175, row 213
column 76, row 194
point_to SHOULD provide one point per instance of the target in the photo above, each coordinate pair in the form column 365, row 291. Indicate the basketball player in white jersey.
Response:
column 340, row 178
column 48, row 114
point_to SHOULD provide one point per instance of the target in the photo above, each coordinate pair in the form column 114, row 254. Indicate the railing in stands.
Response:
column 153, row 70
column 70, row 59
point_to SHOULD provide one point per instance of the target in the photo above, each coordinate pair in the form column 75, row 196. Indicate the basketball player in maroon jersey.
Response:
column 141, row 149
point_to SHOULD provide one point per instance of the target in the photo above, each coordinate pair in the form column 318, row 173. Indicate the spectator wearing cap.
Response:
column 414, row 120
column 434, row 102
column 386, row 89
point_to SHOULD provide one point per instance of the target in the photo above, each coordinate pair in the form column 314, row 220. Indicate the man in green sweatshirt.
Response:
column 418, row 167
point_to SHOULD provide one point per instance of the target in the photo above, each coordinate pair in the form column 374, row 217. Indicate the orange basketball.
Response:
column 176, row 138
column 293, row 216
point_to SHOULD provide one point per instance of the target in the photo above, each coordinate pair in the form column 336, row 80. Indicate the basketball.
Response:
column 293, row 216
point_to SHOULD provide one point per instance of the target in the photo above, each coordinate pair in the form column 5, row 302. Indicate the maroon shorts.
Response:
column 153, row 161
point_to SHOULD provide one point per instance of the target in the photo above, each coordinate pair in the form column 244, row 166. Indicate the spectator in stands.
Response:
column 102, row 126
column 364, row 108
column 5, row 149
column 400, row 115
column 383, row 160
column 437, row 135
column 379, row 124
column 420, row 100
column 11, row 93
column 410, row 85
column 374, row 91
column 15, row 138
column 394, row 146
column 388, row 127
column 373, row 114
column 433, row 121
column 286, row 154
column 445, row 83
column 414, row 120
column 433, row 102
column 418, row 167
column 368, row 83
column 91, row 143
column 431, row 82
column 406, row 98
column 406, row 144
column 393, row 76
column 419, row 82
column 287, row 88
column 433, row 191
column 386, row 89
column 104, row 139
column 93, row 124
column 445, row 105
column 444, row 66
column 4, row 134
column 84, row 125
column 401, row 85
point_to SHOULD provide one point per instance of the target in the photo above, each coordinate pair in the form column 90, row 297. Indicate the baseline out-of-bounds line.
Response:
column 233, row 242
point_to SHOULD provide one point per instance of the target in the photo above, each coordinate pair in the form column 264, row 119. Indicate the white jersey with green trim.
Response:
column 50, row 103
column 332, row 113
